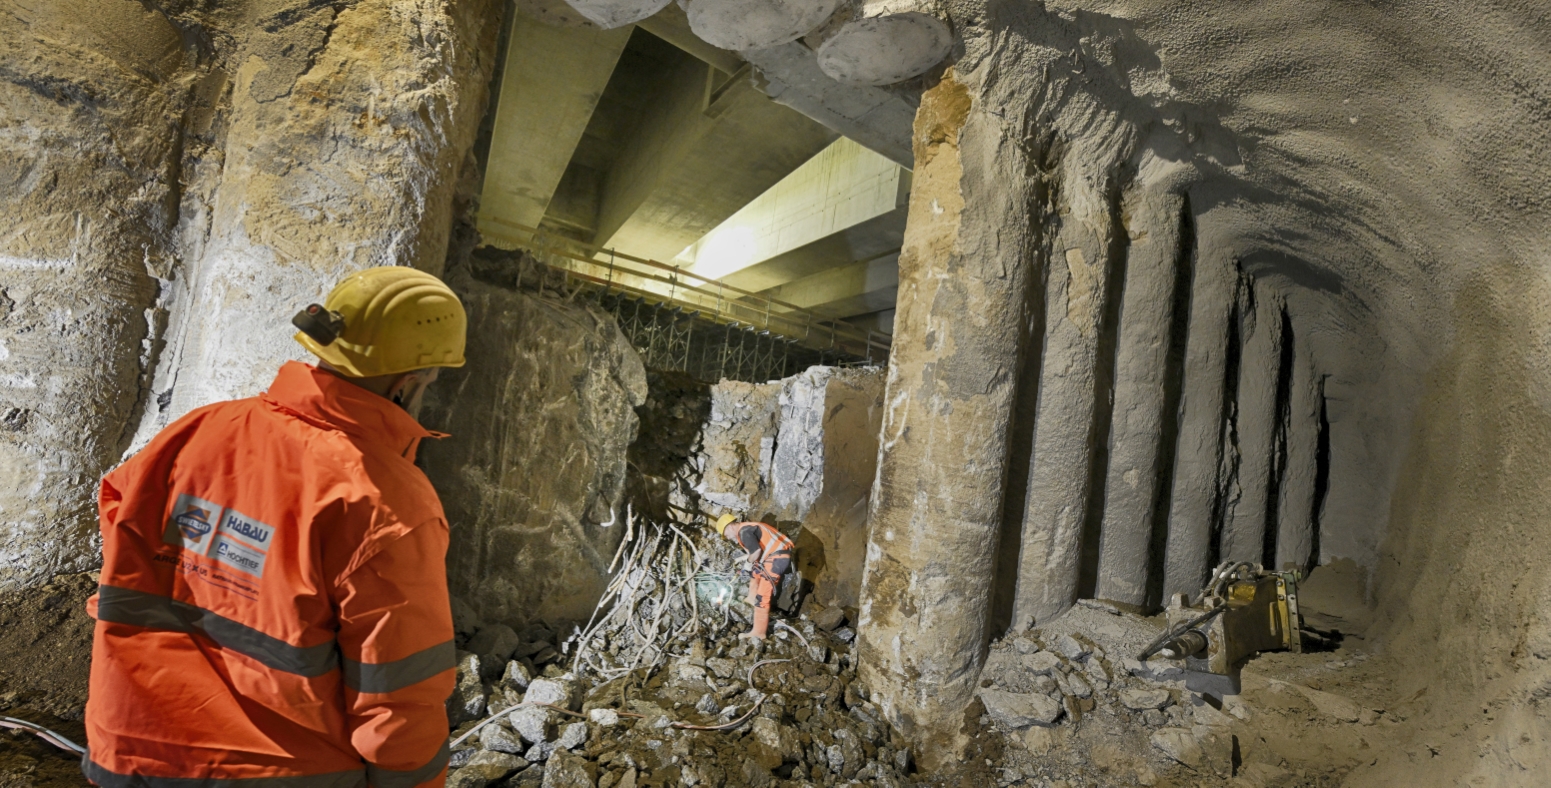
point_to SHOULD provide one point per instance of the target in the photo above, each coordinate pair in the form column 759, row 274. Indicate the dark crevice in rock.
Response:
column 1173, row 396
column 1321, row 474
column 1228, row 439
column 1107, row 352
column 1025, row 401
column 1278, row 470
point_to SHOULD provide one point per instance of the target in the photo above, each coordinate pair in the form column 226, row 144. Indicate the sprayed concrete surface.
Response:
column 1326, row 182
column 178, row 180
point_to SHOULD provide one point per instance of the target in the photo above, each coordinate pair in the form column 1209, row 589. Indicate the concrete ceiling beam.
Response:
column 864, row 241
column 554, row 12
column 554, row 78
column 706, row 145
column 672, row 26
column 860, row 288
column 844, row 204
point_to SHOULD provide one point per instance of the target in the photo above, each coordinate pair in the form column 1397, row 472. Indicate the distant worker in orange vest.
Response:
column 769, row 553
column 273, row 608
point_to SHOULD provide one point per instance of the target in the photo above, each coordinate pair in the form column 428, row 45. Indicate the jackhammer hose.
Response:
column 1171, row 635
column 43, row 733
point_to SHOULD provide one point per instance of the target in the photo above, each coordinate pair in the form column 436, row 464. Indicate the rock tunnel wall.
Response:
column 1228, row 258
column 533, row 479
column 801, row 453
column 177, row 179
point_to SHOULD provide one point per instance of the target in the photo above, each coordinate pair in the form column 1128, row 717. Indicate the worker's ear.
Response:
column 403, row 387
column 406, row 390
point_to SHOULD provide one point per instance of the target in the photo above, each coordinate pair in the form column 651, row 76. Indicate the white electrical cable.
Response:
column 43, row 733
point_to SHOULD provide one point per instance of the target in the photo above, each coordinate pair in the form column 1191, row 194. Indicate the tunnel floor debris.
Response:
column 1304, row 720
column 1061, row 705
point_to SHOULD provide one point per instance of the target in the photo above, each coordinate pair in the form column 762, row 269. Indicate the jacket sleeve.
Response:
column 132, row 503
column 395, row 637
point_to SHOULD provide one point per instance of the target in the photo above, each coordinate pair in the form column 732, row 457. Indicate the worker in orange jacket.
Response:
column 273, row 608
column 769, row 553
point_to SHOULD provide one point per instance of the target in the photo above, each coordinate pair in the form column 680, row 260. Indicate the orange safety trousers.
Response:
column 273, row 607
column 774, row 557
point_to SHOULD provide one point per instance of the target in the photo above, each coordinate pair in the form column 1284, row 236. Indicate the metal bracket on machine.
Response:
column 1243, row 611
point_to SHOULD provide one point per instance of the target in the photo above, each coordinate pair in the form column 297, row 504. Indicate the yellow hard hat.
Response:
column 386, row 321
column 724, row 521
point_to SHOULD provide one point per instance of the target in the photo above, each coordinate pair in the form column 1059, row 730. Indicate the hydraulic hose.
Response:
column 43, row 733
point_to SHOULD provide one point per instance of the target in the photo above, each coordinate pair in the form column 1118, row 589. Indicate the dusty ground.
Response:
column 1322, row 718
column 45, row 646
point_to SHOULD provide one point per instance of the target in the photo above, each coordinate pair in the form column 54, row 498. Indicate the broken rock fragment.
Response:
column 829, row 619
column 723, row 668
column 497, row 738
column 516, row 676
column 1042, row 663
column 1016, row 710
column 529, row 722
column 485, row 768
column 1179, row 744
column 1142, row 700
column 494, row 643
column 464, row 620
column 1072, row 648
column 1336, row 707
column 558, row 692
column 467, row 701
column 565, row 770
column 573, row 736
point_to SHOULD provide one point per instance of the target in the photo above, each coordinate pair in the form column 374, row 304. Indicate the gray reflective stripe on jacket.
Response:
column 154, row 611
column 400, row 673
column 355, row 778
column 392, row 778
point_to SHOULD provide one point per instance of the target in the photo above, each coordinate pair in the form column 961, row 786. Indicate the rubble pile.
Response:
column 727, row 711
column 1069, row 699
column 659, row 689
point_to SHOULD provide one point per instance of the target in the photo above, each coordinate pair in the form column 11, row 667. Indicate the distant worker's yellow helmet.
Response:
column 724, row 521
column 386, row 321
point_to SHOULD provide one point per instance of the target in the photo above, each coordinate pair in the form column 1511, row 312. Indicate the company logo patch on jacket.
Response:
column 214, row 531
column 242, row 543
column 191, row 523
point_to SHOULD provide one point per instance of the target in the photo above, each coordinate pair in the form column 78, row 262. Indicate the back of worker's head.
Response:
column 385, row 321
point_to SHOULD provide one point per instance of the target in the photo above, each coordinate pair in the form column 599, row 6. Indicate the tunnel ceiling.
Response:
column 646, row 140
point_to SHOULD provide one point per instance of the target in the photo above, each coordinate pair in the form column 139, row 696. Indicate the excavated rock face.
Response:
column 178, row 179
column 89, row 173
column 801, row 453
column 1174, row 285
column 533, row 480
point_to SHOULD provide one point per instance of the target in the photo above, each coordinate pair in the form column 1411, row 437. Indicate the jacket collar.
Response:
column 328, row 401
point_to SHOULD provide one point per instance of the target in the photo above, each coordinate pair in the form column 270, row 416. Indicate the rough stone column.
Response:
column 1138, row 433
column 1296, row 524
column 344, row 143
column 90, row 92
column 1077, row 300
column 936, row 503
column 1194, row 506
column 1244, row 525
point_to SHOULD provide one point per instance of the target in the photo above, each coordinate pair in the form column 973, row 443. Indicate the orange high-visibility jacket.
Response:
column 774, row 548
column 273, row 600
